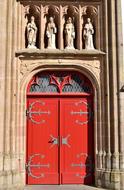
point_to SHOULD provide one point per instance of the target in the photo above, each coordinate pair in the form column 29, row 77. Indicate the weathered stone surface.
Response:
column 103, row 66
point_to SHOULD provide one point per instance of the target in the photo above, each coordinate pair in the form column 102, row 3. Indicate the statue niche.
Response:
column 32, row 33
column 88, row 35
column 90, row 27
column 70, row 23
column 51, row 31
column 69, row 34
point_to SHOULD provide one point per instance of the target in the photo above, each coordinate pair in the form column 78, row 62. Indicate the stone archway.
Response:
column 77, row 67
column 56, row 100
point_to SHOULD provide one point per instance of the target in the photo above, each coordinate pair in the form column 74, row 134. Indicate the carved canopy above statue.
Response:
column 63, row 25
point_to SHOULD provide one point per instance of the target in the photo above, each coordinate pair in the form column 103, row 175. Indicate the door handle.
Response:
column 65, row 141
column 54, row 141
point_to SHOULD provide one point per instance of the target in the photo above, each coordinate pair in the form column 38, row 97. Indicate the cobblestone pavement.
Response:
column 61, row 187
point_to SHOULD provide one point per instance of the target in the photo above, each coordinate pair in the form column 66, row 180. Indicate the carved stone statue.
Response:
column 51, row 34
column 88, row 35
column 32, row 33
column 69, row 34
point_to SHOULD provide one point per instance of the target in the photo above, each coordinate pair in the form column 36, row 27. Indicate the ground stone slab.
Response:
column 60, row 187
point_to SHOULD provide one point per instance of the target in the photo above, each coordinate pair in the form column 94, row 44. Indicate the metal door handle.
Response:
column 53, row 141
column 65, row 141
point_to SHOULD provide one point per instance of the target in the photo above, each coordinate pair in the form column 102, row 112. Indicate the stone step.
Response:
column 60, row 187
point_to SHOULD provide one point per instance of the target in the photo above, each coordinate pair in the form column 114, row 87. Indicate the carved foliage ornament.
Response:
column 35, row 8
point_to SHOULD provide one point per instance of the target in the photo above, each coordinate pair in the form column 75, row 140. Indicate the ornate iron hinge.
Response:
column 30, row 165
column 81, row 165
column 88, row 165
column 29, row 112
column 79, row 113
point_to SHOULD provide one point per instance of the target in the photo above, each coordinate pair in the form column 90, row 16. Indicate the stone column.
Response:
column 8, row 107
column 42, row 29
column 7, row 42
column 79, row 30
column 107, row 94
column 120, row 91
column 61, row 40
column 3, row 42
column 14, row 79
column 113, row 95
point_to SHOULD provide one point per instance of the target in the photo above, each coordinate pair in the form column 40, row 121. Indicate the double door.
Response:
column 59, row 141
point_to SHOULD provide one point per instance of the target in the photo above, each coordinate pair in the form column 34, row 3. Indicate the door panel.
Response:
column 42, row 155
column 60, row 121
column 77, row 142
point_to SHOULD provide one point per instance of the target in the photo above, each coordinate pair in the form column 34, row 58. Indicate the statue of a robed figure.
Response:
column 69, row 34
column 51, row 34
column 88, row 35
column 31, row 33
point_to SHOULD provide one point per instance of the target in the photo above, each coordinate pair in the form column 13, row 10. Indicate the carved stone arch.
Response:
column 73, row 9
column 92, row 13
column 90, row 10
column 85, row 69
column 33, row 10
column 23, row 89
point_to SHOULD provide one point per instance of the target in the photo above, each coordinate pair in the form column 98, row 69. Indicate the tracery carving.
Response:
column 48, row 7
column 89, row 10
column 35, row 8
column 94, row 67
column 72, row 9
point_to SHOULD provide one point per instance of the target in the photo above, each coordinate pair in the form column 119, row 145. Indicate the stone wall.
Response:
column 103, row 66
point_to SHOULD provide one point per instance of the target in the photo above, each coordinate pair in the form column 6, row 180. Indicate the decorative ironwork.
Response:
column 81, row 123
column 29, row 112
column 65, row 141
column 62, row 82
column 54, row 141
column 79, row 113
column 88, row 164
column 89, row 113
column 30, row 165
column 81, row 165
column 80, row 102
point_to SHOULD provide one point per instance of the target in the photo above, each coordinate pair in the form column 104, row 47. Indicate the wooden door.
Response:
column 42, row 142
column 60, row 141
column 77, row 150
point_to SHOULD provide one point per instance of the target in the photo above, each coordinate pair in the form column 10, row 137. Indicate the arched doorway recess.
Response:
column 60, row 129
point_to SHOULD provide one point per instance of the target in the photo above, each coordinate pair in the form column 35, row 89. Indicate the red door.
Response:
column 60, row 141
column 42, row 155
column 76, row 141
